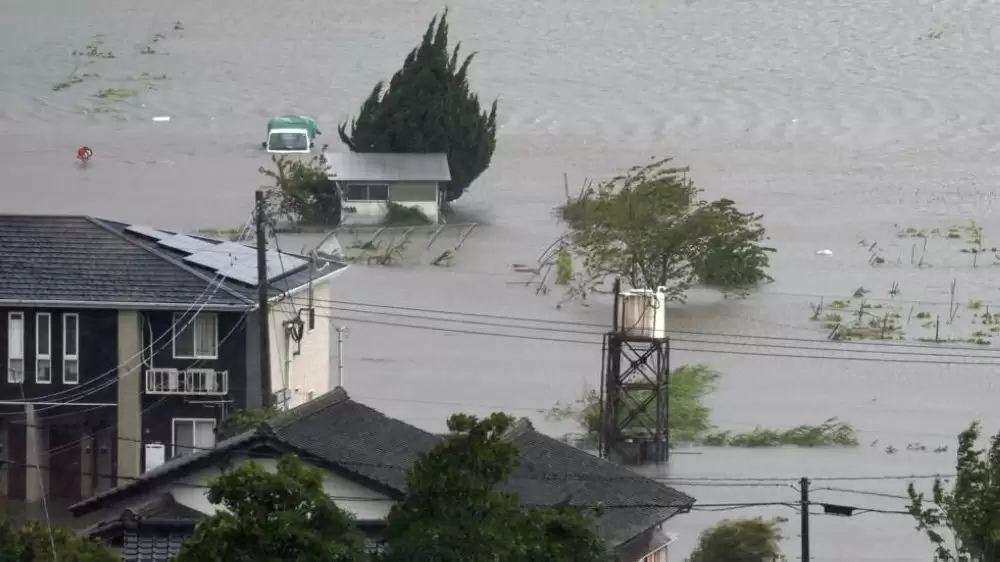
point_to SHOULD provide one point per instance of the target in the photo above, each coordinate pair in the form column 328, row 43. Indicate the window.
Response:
column 196, row 338
column 191, row 435
column 43, row 347
column 71, row 348
column 15, row 347
column 367, row 192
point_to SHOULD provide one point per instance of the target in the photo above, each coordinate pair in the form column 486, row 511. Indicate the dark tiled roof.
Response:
column 363, row 440
column 152, row 545
column 588, row 481
column 353, row 438
column 81, row 259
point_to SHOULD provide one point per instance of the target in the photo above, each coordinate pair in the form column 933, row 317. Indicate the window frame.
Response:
column 367, row 198
column 74, row 357
column 192, row 324
column 193, row 421
column 11, row 357
column 39, row 356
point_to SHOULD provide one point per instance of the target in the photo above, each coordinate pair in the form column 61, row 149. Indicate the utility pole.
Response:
column 341, row 332
column 262, row 309
column 804, row 507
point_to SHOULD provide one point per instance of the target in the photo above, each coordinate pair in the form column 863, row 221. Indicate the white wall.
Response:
column 310, row 370
column 372, row 212
column 376, row 506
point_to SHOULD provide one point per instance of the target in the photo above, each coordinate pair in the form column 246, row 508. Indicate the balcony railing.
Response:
column 187, row 381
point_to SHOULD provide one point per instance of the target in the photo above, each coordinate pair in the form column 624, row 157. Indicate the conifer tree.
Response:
column 428, row 106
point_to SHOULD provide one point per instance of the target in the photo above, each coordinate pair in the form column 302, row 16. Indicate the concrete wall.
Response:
column 421, row 195
column 129, row 428
column 309, row 372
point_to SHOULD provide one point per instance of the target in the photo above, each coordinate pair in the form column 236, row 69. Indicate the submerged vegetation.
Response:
column 651, row 227
column 690, row 419
column 863, row 317
column 89, row 58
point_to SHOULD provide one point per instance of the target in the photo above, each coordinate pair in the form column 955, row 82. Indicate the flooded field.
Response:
column 862, row 128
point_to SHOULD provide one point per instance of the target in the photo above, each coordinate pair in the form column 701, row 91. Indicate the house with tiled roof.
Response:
column 365, row 455
column 125, row 345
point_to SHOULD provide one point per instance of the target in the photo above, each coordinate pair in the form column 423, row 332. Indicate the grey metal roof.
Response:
column 64, row 259
column 372, row 166
column 360, row 440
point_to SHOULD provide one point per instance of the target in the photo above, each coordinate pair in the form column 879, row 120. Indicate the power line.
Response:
column 826, row 348
column 604, row 328
column 56, row 450
column 597, row 504
column 674, row 347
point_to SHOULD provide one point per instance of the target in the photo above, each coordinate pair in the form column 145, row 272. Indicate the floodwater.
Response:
column 841, row 120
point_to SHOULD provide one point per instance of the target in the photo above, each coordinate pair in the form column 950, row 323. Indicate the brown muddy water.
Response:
column 841, row 120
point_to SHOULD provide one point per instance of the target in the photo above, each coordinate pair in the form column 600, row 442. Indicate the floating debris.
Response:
column 161, row 118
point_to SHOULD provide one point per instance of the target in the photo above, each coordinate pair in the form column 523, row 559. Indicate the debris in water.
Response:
column 824, row 252
column 161, row 118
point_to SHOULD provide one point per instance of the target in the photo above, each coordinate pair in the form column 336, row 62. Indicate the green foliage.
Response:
column 455, row 512
column 690, row 419
column 970, row 511
column 428, row 107
column 650, row 227
column 564, row 267
column 829, row 433
column 244, row 420
column 274, row 517
column 35, row 542
column 402, row 215
column 302, row 192
column 741, row 540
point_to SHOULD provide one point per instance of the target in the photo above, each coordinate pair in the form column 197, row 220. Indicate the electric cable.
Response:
column 828, row 348
column 540, row 338
column 194, row 364
column 605, row 328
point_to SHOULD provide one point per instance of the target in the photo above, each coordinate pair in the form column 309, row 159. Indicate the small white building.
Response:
column 369, row 182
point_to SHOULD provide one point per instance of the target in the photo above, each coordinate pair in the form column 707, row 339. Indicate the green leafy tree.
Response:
column 741, row 540
column 970, row 511
column 245, row 420
column 274, row 517
column 35, row 542
column 428, row 106
column 651, row 227
column 302, row 191
column 455, row 511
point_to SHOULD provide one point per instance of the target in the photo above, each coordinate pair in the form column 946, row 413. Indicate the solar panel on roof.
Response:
column 282, row 263
column 216, row 261
column 146, row 231
column 185, row 243
column 244, row 273
column 236, row 248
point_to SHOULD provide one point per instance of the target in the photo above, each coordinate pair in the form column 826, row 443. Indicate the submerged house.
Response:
column 365, row 455
column 370, row 182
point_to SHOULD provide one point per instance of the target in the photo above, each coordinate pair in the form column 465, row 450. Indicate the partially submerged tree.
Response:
column 741, row 540
column 274, row 517
column 455, row 511
column 651, row 227
column 302, row 192
column 690, row 418
column 35, row 542
column 970, row 511
column 428, row 106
